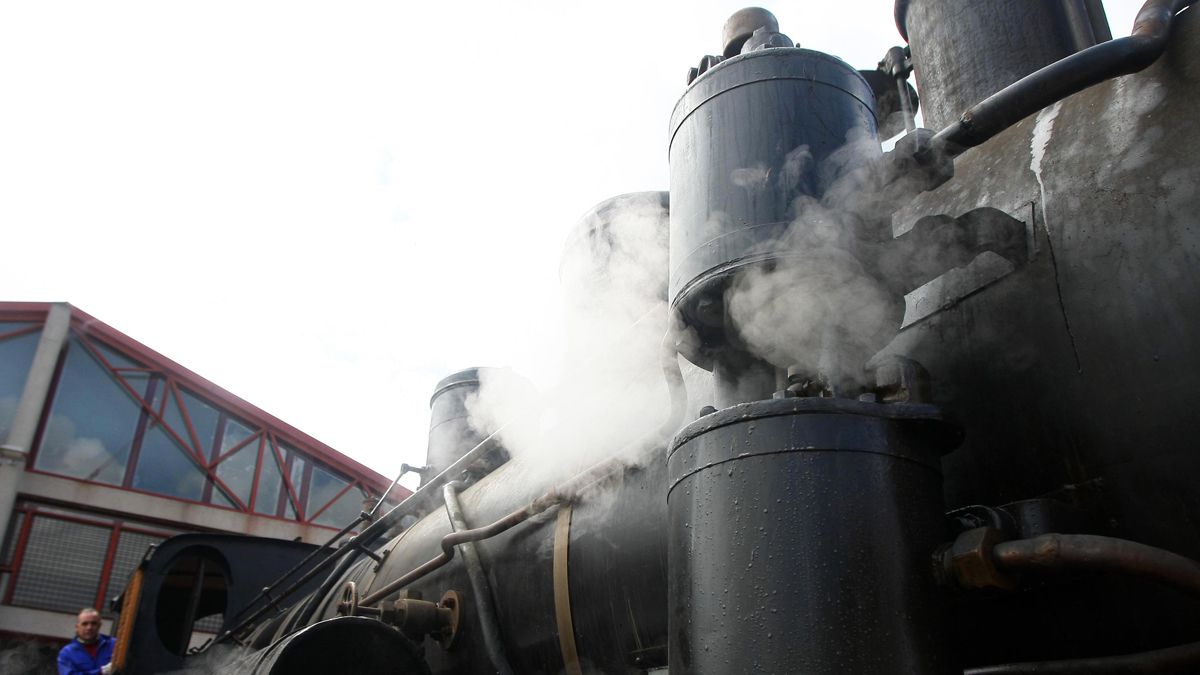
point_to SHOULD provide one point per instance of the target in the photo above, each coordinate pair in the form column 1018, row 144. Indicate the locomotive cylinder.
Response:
column 966, row 50
column 754, row 140
column 799, row 537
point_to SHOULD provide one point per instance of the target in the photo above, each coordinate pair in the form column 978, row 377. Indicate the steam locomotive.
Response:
column 933, row 412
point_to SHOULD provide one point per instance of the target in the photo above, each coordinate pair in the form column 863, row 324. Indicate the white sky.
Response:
column 327, row 207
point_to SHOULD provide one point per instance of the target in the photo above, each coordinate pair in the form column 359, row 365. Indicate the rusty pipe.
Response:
column 1096, row 553
column 1093, row 553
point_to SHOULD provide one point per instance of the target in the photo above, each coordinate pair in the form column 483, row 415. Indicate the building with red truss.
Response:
column 107, row 447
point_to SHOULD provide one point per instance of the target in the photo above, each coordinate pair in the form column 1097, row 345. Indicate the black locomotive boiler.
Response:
column 922, row 410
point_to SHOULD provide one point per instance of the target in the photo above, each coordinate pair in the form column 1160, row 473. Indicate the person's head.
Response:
column 87, row 625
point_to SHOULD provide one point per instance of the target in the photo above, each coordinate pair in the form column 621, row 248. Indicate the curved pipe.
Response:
column 1063, row 552
column 479, row 584
column 1063, row 78
column 1102, row 554
column 566, row 492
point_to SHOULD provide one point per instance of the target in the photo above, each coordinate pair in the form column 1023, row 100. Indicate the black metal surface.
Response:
column 247, row 564
column 342, row 645
column 748, row 138
column 1073, row 374
column 451, row 433
column 741, row 26
column 484, row 604
column 1060, row 79
column 800, row 534
column 617, row 573
column 966, row 50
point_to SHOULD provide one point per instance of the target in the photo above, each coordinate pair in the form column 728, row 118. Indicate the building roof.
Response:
column 86, row 325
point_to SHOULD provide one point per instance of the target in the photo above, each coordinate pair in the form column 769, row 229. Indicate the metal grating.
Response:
column 131, row 546
column 209, row 624
column 61, row 566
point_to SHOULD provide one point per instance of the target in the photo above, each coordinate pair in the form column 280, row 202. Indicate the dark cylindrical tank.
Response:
column 451, row 431
column 966, row 50
column 751, row 139
column 799, row 536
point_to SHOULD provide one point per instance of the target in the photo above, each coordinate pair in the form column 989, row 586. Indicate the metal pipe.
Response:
column 566, row 492
column 1178, row 659
column 1060, row 552
column 420, row 499
column 479, row 584
column 375, row 530
column 1103, row 554
column 266, row 592
column 1063, row 78
column 454, row 539
column 313, row 601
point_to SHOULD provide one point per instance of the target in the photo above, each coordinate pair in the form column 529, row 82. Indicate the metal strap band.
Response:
column 562, row 593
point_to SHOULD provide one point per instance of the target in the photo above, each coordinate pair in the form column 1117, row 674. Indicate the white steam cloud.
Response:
column 610, row 390
column 818, row 306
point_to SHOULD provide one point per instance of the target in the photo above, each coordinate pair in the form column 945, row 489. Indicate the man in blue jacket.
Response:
column 90, row 652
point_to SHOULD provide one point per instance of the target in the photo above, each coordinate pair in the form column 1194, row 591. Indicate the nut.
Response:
column 969, row 563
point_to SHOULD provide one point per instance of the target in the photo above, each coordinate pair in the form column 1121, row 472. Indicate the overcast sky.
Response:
column 327, row 207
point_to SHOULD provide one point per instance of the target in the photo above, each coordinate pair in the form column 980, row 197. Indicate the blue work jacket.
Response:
column 74, row 659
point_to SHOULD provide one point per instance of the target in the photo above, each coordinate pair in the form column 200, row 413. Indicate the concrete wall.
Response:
column 183, row 514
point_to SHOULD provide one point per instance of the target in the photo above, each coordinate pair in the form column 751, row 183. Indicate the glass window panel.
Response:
column 61, row 566
column 141, row 385
column 323, row 486
column 219, row 498
column 296, row 476
column 131, row 548
column 174, row 420
column 237, row 471
column 235, row 432
column 10, row 326
column 16, row 355
column 114, row 358
column 163, row 467
column 270, row 481
column 92, row 422
column 345, row 509
column 204, row 420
